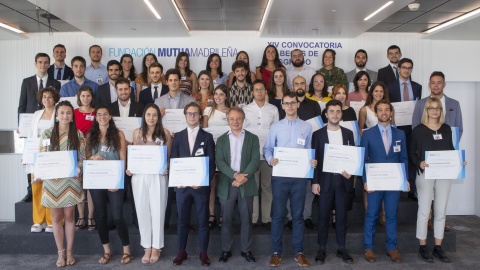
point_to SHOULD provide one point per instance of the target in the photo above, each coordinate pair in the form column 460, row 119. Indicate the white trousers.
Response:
column 431, row 190
column 150, row 194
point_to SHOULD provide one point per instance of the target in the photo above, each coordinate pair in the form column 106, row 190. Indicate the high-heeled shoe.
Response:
column 80, row 224
column 91, row 226
column 212, row 223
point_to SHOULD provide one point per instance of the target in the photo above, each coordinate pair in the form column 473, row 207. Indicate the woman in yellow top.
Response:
column 318, row 89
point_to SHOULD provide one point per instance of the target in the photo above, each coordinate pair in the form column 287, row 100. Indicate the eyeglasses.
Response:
column 434, row 109
column 289, row 104
column 260, row 89
column 102, row 114
column 192, row 114
column 297, row 55
column 409, row 68
column 299, row 84
column 318, row 81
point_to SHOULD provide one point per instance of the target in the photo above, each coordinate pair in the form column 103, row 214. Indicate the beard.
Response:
column 359, row 64
column 295, row 64
column 300, row 92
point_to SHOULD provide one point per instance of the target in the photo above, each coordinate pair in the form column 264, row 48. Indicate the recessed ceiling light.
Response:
column 378, row 10
column 180, row 15
column 152, row 9
column 11, row 28
column 264, row 19
column 333, row 10
column 457, row 19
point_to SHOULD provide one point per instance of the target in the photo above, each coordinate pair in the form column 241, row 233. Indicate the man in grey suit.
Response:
column 451, row 107
column 174, row 99
column 361, row 59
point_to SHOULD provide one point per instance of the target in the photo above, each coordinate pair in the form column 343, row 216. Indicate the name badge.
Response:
column 46, row 142
column 241, row 105
column 105, row 148
column 199, row 152
column 224, row 118
column 437, row 136
column 99, row 80
column 183, row 78
column 158, row 141
column 209, row 100
column 396, row 148
column 90, row 117
column 301, row 141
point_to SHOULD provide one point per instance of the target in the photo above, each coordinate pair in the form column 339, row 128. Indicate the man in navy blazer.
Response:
column 390, row 72
column 374, row 141
column 147, row 95
column 59, row 70
column 333, row 188
column 193, row 142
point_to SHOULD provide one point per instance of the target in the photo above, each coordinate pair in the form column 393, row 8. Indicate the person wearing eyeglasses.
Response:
column 298, row 67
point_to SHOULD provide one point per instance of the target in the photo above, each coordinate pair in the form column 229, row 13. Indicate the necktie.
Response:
column 191, row 140
column 396, row 72
column 386, row 141
column 155, row 94
column 405, row 92
column 41, row 85
column 59, row 74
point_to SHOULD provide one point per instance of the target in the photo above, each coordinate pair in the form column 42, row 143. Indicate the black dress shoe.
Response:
column 225, row 255
column 248, row 256
column 413, row 196
column 320, row 256
column 267, row 225
column 309, row 224
column 343, row 254
column 425, row 255
column 289, row 225
column 27, row 198
column 438, row 252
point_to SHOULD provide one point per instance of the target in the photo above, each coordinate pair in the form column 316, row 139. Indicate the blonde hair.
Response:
column 429, row 102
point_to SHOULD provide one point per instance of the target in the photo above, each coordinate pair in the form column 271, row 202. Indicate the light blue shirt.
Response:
column 70, row 88
column 98, row 75
column 55, row 71
column 389, row 132
column 291, row 134
column 410, row 91
column 174, row 102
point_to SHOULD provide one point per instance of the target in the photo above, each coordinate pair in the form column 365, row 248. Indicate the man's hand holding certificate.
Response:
column 147, row 159
column 189, row 172
column 293, row 162
column 339, row 158
column 103, row 174
column 55, row 164
column 445, row 164
column 386, row 177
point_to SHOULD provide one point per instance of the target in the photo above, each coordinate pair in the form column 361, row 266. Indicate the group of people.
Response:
column 274, row 100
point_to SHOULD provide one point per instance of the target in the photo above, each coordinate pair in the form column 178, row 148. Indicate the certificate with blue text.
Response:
column 147, row 159
column 174, row 120
column 30, row 149
column 55, row 164
column 293, row 162
column 353, row 126
column 316, row 122
column 103, row 174
column 128, row 125
column 25, row 124
column 339, row 158
column 445, row 164
column 190, row 171
column 386, row 176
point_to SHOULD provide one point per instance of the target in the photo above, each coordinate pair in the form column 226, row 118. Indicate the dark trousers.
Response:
column 284, row 188
column 128, row 195
column 200, row 198
column 335, row 198
column 100, row 198
column 29, row 181
column 168, row 210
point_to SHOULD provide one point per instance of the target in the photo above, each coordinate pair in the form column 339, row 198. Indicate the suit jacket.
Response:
column 28, row 95
column 163, row 102
column 375, row 151
column 351, row 75
column 181, row 148
column 394, row 90
column 453, row 115
column 103, row 94
column 386, row 75
column 136, row 109
column 249, row 164
column 319, row 139
column 67, row 73
column 146, row 95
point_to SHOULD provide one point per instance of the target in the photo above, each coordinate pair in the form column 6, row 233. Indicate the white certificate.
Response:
column 72, row 100
column 403, row 112
column 187, row 172
column 128, row 125
column 262, row 134
column 357, row 105
column 353, row 126
column 456, row 137
column 322, row 105
column 174, row 120
column 386, row 176
column 293, row 162
column 103, row 174
column 55, row 164
column 445, row 164
column 316, row 122
column 339, row 158
column 147, row 159
column 217, row 131
column 25, row 124
column 30, row 149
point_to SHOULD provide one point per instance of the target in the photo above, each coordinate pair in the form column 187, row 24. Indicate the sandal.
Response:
column 61, row 258
column 91, row 226
column 146, row 257
column 153, row 258
column 70, row 259
column 80, row 224
column 126, row 258
column 105, row 258
column 212, row 223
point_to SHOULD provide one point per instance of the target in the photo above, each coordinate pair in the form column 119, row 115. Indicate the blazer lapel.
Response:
column 200, row 139
column 380, row 139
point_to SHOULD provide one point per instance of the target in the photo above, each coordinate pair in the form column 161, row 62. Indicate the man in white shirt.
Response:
column 106, row 92
column 390, row 72
column 156, row 89
column 259, row 116
column 125, row 106
column 59, row 70
column 361, row 59
column 298, row 68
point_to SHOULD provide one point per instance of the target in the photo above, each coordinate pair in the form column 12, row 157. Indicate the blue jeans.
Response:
column 373, row 209
column 282, row 189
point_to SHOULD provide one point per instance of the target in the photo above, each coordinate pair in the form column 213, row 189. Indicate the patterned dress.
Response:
column 333, row 76
column 186, row 85
column 207, row 102
column 63, row 192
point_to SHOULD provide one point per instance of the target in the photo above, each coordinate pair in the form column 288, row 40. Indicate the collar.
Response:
column 393, row 66
column 389, row 128
column 195, row 129
column 176, row 97
column 45, row 79
column 153, row 85
column 402, row 81
column 241, row 132
column 358, row 70
column 288, row 122
column 56, row 67
column 128, row 104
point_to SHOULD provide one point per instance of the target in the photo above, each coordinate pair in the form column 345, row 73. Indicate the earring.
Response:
column 71, row 121
column 56, row 120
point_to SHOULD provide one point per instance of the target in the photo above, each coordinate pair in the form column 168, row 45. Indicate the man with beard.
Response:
column 107, row 93
column 125, row 105
column 97, row 71
column 361, row 59
column 70, row 89
column 240, row 91
column 390, row 72
column 298, row 68
column 59, row 70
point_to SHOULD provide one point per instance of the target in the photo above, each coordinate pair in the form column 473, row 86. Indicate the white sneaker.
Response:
column 36, row 228
column 49, row 229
